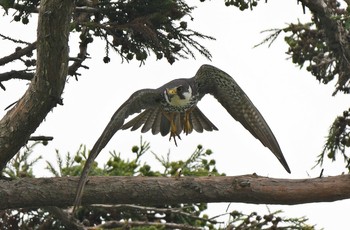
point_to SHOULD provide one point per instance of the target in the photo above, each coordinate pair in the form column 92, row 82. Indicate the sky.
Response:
column 298, row 109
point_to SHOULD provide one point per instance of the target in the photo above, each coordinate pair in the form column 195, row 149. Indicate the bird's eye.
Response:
column 179, row 89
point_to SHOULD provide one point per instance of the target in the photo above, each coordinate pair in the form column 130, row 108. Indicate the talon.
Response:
column 174, row 138
column 173, row 135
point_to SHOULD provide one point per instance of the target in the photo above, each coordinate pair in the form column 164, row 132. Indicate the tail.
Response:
column 153, row 119
column 199, row 121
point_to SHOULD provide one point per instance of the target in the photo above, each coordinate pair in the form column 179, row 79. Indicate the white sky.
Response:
column 298, row 109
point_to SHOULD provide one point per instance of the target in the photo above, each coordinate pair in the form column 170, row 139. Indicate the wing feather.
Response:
column 196, row 124
column 150, row 120
column 214, row 81
column 137, row 121
column 156, row 123
column 142, row 99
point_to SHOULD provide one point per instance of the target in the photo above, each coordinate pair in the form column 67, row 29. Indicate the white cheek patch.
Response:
column 188, row 94
column 166, row 97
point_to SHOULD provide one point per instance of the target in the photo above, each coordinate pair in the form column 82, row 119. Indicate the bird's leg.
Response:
column 187, row 124
column 173, row 129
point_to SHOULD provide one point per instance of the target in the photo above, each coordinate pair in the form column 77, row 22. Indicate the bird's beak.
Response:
column 171, row 92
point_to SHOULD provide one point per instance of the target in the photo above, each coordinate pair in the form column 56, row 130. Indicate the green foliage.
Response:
column 135, row 28
column 69, row 167
column 338, row 140
column 6, row 4
column 307, row 46
column 180, row 216
column 196, row 165
column 310, row 45
column 20, row 166
column 132, row 28
column 24, row 9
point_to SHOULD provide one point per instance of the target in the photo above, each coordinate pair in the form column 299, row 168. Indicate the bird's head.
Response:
column 178, row 96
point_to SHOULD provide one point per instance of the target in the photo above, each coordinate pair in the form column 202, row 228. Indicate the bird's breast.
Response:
column 176, row 104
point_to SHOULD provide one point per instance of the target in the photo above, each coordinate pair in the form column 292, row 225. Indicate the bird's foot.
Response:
column 174, row 135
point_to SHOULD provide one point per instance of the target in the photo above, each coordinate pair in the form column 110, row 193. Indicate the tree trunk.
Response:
column 45, row 90
column 41, row 192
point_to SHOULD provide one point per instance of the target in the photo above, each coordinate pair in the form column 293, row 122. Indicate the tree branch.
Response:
column 19, row 53
column 47, row 86
column 146, row 209
column 41, row 192
column 14, row 74
column 40, row 138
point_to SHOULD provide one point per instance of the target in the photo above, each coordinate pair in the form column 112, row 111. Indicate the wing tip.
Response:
column 283, row 161
column 286, row 167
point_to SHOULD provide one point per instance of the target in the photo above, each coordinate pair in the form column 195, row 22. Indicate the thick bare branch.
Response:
column 47, row 85
column 29, row 192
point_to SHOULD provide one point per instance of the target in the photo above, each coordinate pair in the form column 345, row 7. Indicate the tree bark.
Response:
column 41, row 192
column 45, row 90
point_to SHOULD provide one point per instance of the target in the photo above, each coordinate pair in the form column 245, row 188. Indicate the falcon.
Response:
column 172, row 108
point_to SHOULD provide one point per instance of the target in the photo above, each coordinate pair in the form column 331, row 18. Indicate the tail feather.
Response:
column 164, row 126
column 199, row 119
column 153, row 119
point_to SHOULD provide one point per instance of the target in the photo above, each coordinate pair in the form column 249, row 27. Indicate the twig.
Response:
column 10, row 105
column 14, row 40
column 161, row 210
column 64, row 217
column 40, row 138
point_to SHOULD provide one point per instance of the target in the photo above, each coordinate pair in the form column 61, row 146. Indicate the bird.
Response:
column 172, row 108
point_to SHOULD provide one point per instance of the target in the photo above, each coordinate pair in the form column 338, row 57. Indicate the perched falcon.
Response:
column 172, row 108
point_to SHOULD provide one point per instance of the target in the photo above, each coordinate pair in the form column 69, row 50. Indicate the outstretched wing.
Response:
column 142, row 99
column 214, row 81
